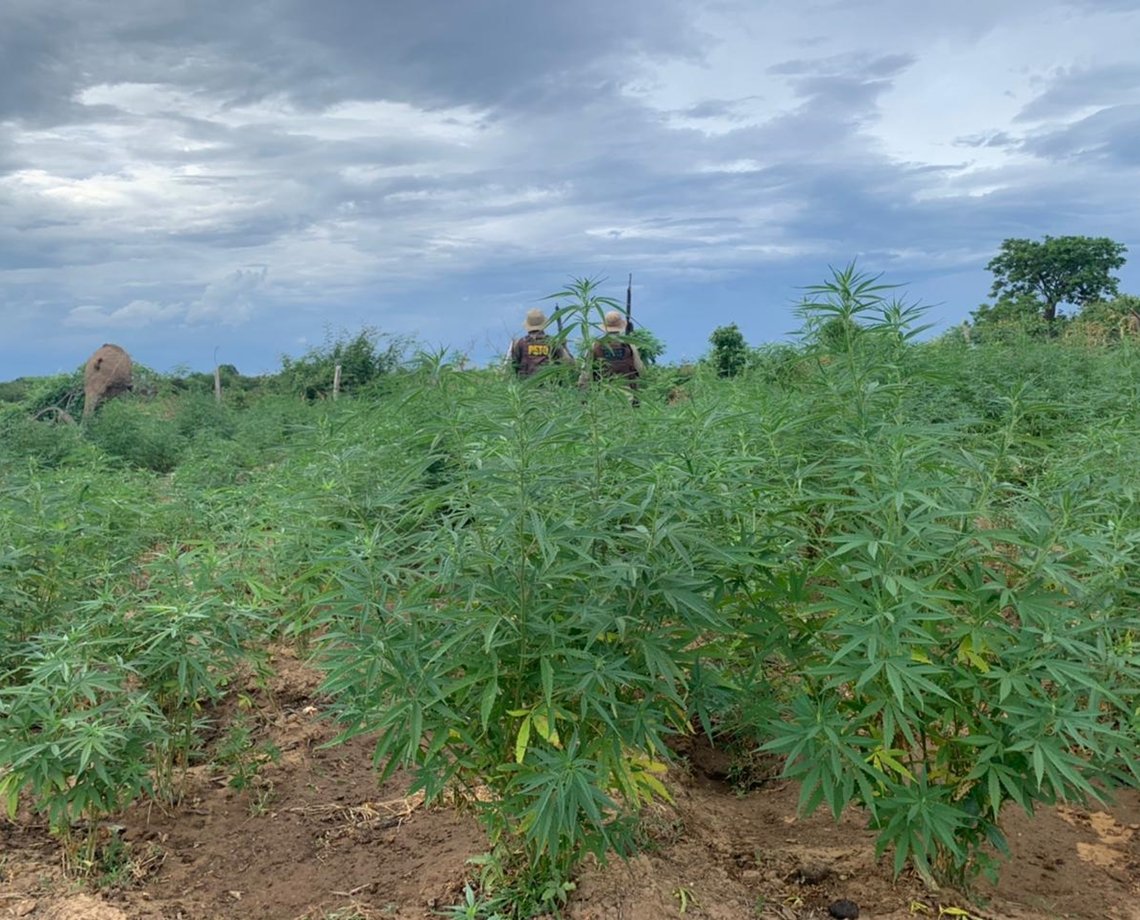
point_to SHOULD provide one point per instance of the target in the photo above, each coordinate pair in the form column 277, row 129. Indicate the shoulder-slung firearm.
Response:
column 629, row 305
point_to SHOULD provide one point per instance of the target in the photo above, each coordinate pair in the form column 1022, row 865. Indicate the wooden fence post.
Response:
column 217, row 378
column 336, row 382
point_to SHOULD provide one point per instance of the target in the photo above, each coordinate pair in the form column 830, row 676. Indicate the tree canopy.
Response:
column 1064, row 269
column 730, row 353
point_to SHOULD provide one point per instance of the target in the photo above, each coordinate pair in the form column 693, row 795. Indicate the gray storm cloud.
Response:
column 174, row 166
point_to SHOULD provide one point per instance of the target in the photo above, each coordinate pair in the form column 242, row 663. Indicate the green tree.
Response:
column 730, row 353
column 1063, row 269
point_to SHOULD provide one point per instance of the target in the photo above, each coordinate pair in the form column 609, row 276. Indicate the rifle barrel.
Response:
column 629, row 304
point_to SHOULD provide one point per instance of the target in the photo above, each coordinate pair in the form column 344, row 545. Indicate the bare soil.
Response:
column 314, row 836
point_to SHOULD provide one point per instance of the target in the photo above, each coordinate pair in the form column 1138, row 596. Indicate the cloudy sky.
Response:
column 180, row 176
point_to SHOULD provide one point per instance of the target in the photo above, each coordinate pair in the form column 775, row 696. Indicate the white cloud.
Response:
column 137, row 314
column 345, row 121
column 228, row 302
column 231, row 301
column 732, row 166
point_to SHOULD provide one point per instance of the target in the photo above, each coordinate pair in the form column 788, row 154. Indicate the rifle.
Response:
column 558, row 317
column 629, row 305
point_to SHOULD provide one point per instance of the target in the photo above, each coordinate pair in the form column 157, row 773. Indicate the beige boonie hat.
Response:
column 535, row 319
column 614, row 321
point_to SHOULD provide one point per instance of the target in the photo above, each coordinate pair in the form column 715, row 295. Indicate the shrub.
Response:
column 198, row 416
column 539, row 639
column 73, row 736
column 47, row 441
column 127, row 429
column 730, row 353
column 1013, row 319
column 1106, row 322
column 945, row 664
column 60, row 391
column 648, row 345
column 361, row 357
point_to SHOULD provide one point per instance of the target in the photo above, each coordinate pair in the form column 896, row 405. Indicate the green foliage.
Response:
column 62, row 533
column 475, row 907
column 1011, row 320
column 39, row 394
column 1064, row 269
column 831, row 311
column 580, row 309
column 236, row 387
column 781, row 365
column 1108, row 322
column 583, row 313
column 240, row 757
column 907, row 567
column 539, row 640
column 137, row 434
column 202, row 417
column 362, row 358
column 73, row 736
column 730, row 352
column 184, row 654
column 16, row 391
column 837, row 334
column 649, row 345
column 48, row 442
column 947, row 664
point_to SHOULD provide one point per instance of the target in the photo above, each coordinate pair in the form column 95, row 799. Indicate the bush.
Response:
column 956, row 645
column 1106, row 322
column 361, row 358
column 124, row 428
column 201, row 416
column 540, row 636
column 76, row 738
column 781, row 364
column 16, row 391
column 47, row 441
column 1011, row 320
column 650, row 346
column 730, row 353
column 60, row 391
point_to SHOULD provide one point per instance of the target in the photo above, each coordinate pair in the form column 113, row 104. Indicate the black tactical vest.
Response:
column 614, row 358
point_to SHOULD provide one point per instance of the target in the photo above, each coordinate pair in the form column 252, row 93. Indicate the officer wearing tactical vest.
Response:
column 536, row 349
column 614, row 357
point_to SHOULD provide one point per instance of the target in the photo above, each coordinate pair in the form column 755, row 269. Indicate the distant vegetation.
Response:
column 1033, row 278
column 1056, row 270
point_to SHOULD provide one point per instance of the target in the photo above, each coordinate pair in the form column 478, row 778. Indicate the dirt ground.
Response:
column 315, row 837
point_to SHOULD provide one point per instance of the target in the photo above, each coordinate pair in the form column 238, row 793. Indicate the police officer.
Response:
column 536, row 349
column 614, row 357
